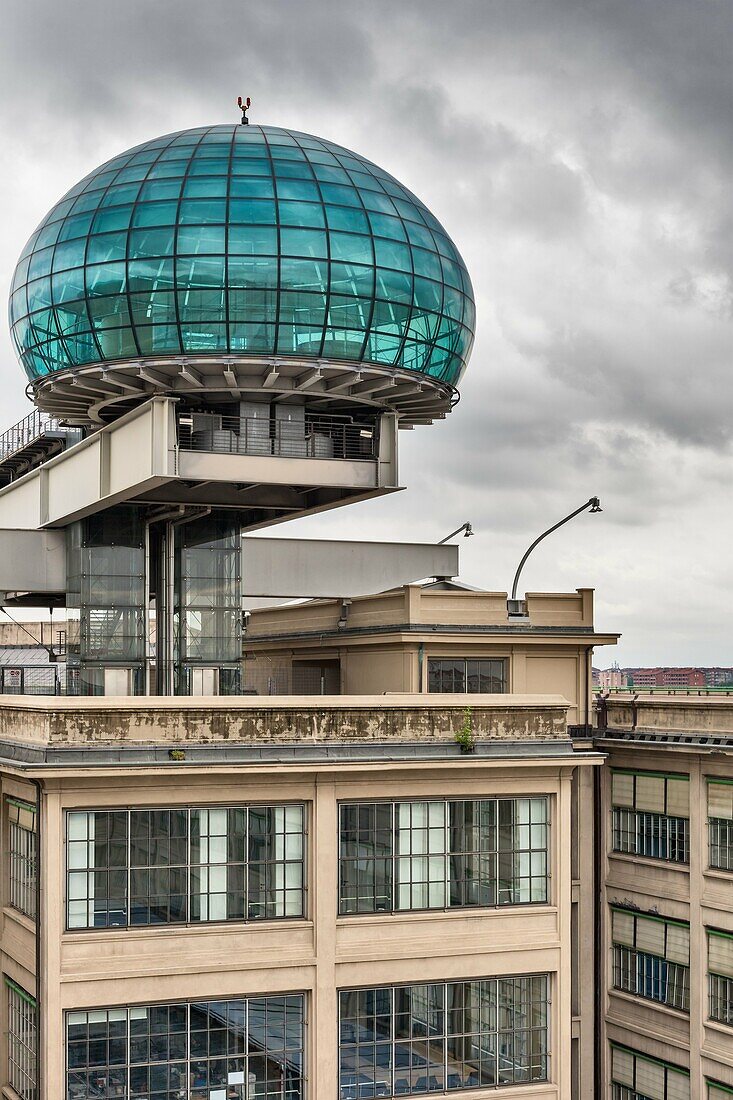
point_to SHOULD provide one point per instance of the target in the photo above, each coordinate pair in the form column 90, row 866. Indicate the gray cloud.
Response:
column 579, row 153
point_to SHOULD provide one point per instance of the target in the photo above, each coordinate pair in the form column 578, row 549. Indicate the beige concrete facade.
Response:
column 384, row 643
column 684, row 737
column 522, row 749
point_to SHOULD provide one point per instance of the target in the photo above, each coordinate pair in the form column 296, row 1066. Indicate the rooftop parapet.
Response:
column 414, row 606
column 91, row 729
column 669, row 717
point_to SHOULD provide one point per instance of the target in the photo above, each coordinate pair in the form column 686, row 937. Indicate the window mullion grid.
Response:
column 245, row 876
column 128, row 906
column 188, row 866
column 394, row 887
column 446, row 854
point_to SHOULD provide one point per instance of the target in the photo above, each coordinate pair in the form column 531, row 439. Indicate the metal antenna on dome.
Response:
column 244, row 105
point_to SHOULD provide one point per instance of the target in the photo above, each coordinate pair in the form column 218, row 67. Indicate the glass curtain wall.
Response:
column 233, row 1049
column 168, row 866
column 397, row 856
column 444, row 1036
column 208, row 616
column 106, row 595
column 242, row 240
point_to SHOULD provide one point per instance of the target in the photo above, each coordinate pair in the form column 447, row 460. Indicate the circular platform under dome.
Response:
column 216, row 263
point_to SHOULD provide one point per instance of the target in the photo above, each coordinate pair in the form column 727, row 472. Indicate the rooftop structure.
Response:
column 229, row 262
column 222, row 329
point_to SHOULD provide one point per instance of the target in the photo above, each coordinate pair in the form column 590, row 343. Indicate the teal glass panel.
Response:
column 106, row 246
column 306, row 214
column 252, row 337
column 300, row 190
column 117, row 343
column 152, row 274
column 160, row 190
column 152, row 242
column 303, row 274
column 109, row 312
column 155, row 213
column 299, row 339
column 252, row 271
column 252, row 211
column 352, row 247
column 153, row 308
column 203, row 338
column 76, row 226
column 303, row 242
column 340, row 195
column 116, row 217
column 252, row 304
column 40, row 263
column 392, row 254
column 352, row 279
column 347, row 218
column 69, row 254
column 350, row 312
column 384, row 225
column 118, row 196
column 159, row 338
column 193, row 239
column 202, row 212
column 68, row 286
column 200, row 306
column 252, row 240
column 251, row 188
column 205, row 271
column 242, row 239
column 105, row 279
column 302, row 307
column 427, row 264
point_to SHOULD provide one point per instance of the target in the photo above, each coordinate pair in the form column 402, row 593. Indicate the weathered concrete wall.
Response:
column 679, row 713
column 298, row 721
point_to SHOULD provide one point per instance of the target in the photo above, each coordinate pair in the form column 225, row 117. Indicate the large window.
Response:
column 720, row 976
column 210, row 1050
column 650, row 815
column 720, row 823
column 22, row 869
column 166, row 866
column 467, row 674
column 445, row 1036
column 22, row 1041
column 442, row 854
column 651, row 957
column 635, row 1076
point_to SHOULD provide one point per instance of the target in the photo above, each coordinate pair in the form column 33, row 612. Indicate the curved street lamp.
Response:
column 592, row 505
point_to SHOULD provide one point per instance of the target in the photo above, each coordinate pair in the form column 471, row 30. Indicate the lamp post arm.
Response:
column 588, row 504
column 457, row 531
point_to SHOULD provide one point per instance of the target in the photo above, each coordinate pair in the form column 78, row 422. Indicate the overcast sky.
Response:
column 579, row 154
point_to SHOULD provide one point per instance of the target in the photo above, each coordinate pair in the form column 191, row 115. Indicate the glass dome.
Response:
column 241, row 240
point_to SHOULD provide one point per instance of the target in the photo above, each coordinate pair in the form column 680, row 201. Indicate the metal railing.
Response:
column 311, row 437
column 33, row 679
column 657, row 689
column 31, row 428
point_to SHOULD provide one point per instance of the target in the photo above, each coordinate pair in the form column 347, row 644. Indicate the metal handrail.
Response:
column 313, row 437
column 26, row 431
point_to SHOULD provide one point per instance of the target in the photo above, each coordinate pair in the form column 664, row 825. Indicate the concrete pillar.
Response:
column 323, row 1054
